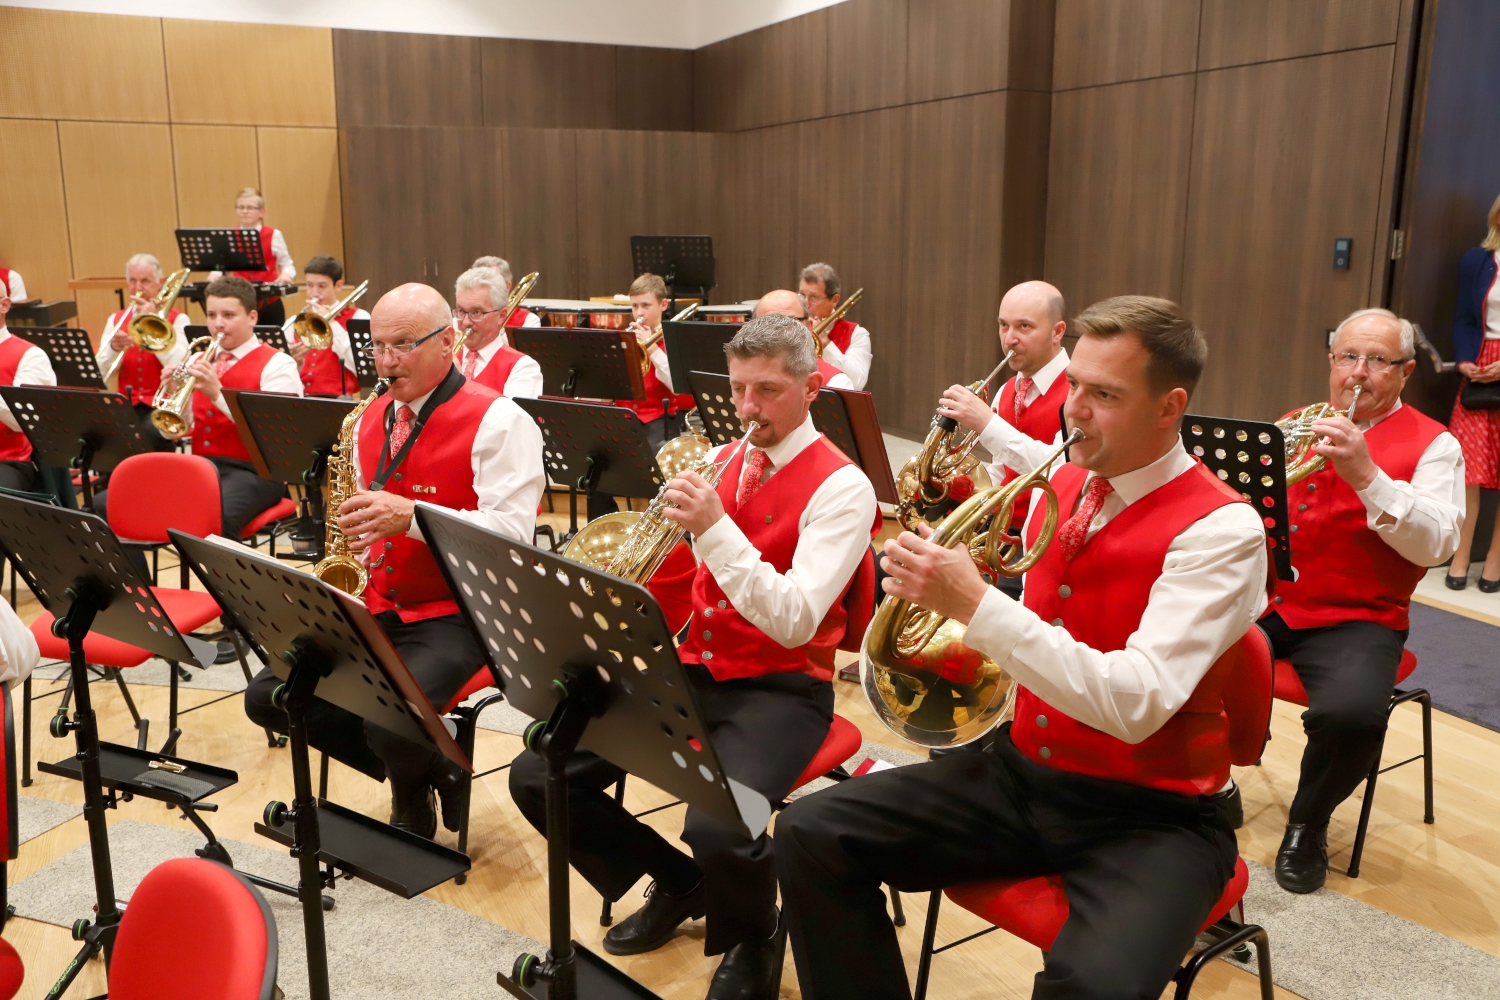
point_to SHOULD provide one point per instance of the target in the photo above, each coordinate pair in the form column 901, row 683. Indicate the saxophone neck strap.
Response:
column 387, row 466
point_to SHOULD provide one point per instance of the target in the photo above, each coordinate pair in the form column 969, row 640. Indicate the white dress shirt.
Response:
column 839, row 381
column 34, row 368
column 834, row 534
column 507, row 465
column 279, row 375
column 342, row 347
column 169, row 358
column 1212, row 588
column 532, row 320
column 19, row 653
column 1428, row 512
column 994, row 440
column 525, row 378
column 16, row 287
column 855, row 362
column 660, row 365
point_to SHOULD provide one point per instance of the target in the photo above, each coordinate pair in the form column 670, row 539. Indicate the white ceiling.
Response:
column 678, row 24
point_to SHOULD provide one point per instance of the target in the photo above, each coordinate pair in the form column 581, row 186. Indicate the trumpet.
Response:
column 825, row 324
column 313, row 326
column 656, row 336
column 1296, row 428
column 512, row 303
column 172, row 406
column 150, row 331
column 922, row 681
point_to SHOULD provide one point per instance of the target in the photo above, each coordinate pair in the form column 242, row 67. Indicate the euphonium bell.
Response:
column 314, row 327
column 150, row 330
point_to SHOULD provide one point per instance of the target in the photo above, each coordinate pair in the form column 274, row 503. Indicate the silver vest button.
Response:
column 1065, row 591
column 723, row 605
column 708, row 612
column 1057, row 621
column 1044, row 753
column 708, row 656
column 1302, row 506
column 1292, row 528
column 707, row 635
column 1278, row 600
column 1041, row 720
column 1312, row 487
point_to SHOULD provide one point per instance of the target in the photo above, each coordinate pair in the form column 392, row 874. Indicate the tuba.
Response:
column 923, row 683
column 512, row 303
column 172, row 406
column 1296, row 428
column 825, row 324
column 313, row 325
column 338, row 567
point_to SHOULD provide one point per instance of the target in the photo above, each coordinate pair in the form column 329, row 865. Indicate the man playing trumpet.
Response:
column 140, row 370
column 326, row 371
column 846, row 344
column 486, row 356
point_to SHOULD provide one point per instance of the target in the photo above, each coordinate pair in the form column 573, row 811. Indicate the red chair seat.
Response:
column 481, row 680
column 1289, row 685
column 1035, row 909
column 842, row 742
column 280, row 509
column 12, row 972
column 189, row 610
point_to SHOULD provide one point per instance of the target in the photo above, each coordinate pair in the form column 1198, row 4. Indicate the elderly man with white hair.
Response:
column 486, row 355
column 1388, row 503
column 140, row 370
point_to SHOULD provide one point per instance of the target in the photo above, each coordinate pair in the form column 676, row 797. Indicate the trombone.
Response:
column 825, row 324
column 512, row 303
column 150, row 331
column 313, row 325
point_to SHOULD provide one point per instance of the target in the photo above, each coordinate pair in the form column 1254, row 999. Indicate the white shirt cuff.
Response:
column 996, row 626
column 720, row 544
column 1382, row 496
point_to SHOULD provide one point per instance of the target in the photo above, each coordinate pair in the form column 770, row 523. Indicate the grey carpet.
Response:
column 502, row 716
column 379, row 945
column 40, row 815
column 1457, row 663
column 219, row 677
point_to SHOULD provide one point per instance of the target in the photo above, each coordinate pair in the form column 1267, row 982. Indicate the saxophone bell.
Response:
column 339, row 566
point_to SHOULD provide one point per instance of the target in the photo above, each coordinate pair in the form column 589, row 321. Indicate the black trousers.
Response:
column 1141, row 869
column 153, row 436
column 657, row 432
column 20, row 476
column 243, row 494
column 442, row 655
column 1349, row 671
column 765, row 731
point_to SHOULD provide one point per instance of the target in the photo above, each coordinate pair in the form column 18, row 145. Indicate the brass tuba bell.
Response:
column 150, row 330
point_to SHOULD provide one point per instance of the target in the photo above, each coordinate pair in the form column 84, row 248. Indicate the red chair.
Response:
column 1289, row 688
column 1035, row 909
column 12, row 972
column 194, row 929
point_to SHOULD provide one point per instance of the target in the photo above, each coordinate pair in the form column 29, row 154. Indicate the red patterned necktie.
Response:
column 471, row 359
column 1023, row 388
column 754, row 472
column 1076, row 530
column 222, row 361
column 402, row 430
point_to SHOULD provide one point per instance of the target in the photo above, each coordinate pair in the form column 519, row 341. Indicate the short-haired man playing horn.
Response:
column 786, row 577
column 1115, row 773
column 140, row 370
column 1387, row 504
column 487, row 357
column 783, row 302
column 326, row 371
column 846, row 345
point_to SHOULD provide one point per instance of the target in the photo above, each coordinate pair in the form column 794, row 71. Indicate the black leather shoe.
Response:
column 415, row 810
column 1302, row 862
column 448, row 778
column 1457, row 582
column 1489, row 586
column 653, row 925
column 751, row 971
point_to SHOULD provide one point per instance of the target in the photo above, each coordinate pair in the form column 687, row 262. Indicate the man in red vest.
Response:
column 1388, row 504
column 1115, row 772
column 250, row 208
column 442, row 439
column 140, row 370
column 522, row 316
column 786, row 576
column 846, row 345
column 487, row 356
column 783, row 302
column 326, row 371
column 21, row 363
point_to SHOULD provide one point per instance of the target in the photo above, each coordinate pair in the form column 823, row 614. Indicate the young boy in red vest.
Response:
column 250, row 208
column 443, row 439
column 140, row 370
column 786, row 576
column 846, row 345
column 486, row 356
column 21, row 363
column 1388, row 504
column 326, row 371
column 1115, row 773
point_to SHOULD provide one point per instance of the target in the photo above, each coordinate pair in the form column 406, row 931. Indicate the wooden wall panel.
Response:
column 758, row 253
column 57, row 64
column 957, row 47
column 438, row 82
column 653, row 88
column 866, row 55
column 1117, row 189
column 1023, row 233
column 540, row 175
column 714, row 100
column 791, row 63
column 1264, row 212
column 213, row 163
column 466, row 207
column 1110, row 41
column 299, row 172
column 380, row 168
column 282, row 75
column 532, row 84
column 33, row 214
column 1236, row 32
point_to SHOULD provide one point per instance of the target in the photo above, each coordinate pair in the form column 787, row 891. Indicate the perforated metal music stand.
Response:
column 221, row 249
column 77, row 428
column 272, row 336
column 685, row 263
column 583, row 363
column 71, row 353
column 361, row 344
column 697, row 347
column 593, row 655
column 1249, row 456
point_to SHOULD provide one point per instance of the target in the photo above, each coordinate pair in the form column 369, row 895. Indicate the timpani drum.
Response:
column 732, row 313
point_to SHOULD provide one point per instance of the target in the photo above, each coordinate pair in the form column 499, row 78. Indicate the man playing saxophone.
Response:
column 1115, row 772
column 440, row 438
column 140, row 370
column 786, row 575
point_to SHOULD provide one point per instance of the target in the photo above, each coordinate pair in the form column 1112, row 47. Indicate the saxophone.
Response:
column 339, row 568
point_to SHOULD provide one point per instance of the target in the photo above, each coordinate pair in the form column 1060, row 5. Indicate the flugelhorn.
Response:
column 1296, row 428
column 825, row 324
column 339, row 567
column 923, row 682
column 314, row 325
column 172, row 406
column 512, row 303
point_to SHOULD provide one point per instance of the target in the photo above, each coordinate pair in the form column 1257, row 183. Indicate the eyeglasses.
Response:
column 1376, row 364
column 473, row 314
column 400, row 350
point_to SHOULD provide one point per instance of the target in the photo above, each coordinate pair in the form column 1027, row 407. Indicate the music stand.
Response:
column 76, row 428
column 697, row 347
column 592, row 654
column 271, row 336
column 583, row 363
column 1249, row 456
column 686, row 263
column 71, row 353
column 81, row 573
column 362, row 345
column 224, row 250
column 594, row 447
column 324, row 643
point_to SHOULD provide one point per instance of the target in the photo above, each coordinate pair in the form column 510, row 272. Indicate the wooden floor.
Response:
column 1445, row 876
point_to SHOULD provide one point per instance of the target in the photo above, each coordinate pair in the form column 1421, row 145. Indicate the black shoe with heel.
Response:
column 1459, row 582
column 1489, row 586
column 653, row 925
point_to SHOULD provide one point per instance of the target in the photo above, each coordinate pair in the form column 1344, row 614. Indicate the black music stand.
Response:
column 697, row 347
column 271, row 336
column 323, row 643
column 82, row 574
column 685, row 263
column 583, row 363
column 362, row 345
column 592, row 654
column 594, row 447
column 77, row 428
column 1249, row 456
column 71, row 353
column 224, row 250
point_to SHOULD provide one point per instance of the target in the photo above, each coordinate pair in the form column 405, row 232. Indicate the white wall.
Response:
column 678, row 24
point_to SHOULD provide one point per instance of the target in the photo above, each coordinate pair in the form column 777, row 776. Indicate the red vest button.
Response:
column 1044, row 753
column 1057, row 621
column 1041, row 721
column 706, row 656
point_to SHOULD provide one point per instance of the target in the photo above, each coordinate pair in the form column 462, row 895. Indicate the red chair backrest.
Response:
column 1247, row 697
column 12, row 972
column 159, row 490
column 194, row 929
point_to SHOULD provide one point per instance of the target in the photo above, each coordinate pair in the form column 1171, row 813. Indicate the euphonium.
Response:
column 930, row 477
column 924, row 684
column 172, row 406
column 150, row 330
column 512, row 303
column 826, row 323
column 338, row 567
column 1296, row 428
column 313, row 325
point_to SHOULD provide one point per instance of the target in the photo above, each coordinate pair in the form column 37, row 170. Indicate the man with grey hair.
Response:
column 139, row 371
column 785, row 302
column 1388, row 503
column 846, row 344
column 486, row 355
column 522, row 316
column 785, row 576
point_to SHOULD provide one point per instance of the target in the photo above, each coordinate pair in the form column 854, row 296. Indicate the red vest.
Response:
column 322, row 371
column 842, row 333
column 15, row 446
column 828, row 371
column 1041, row 420
column 519, row 317
column 140, row 370
column 403, row 575
column 214, row 434
column 726, row 642
column 497, row 372
column 1108, row 586
column 272, row 272
column 653, row 407
column 1345, row 571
